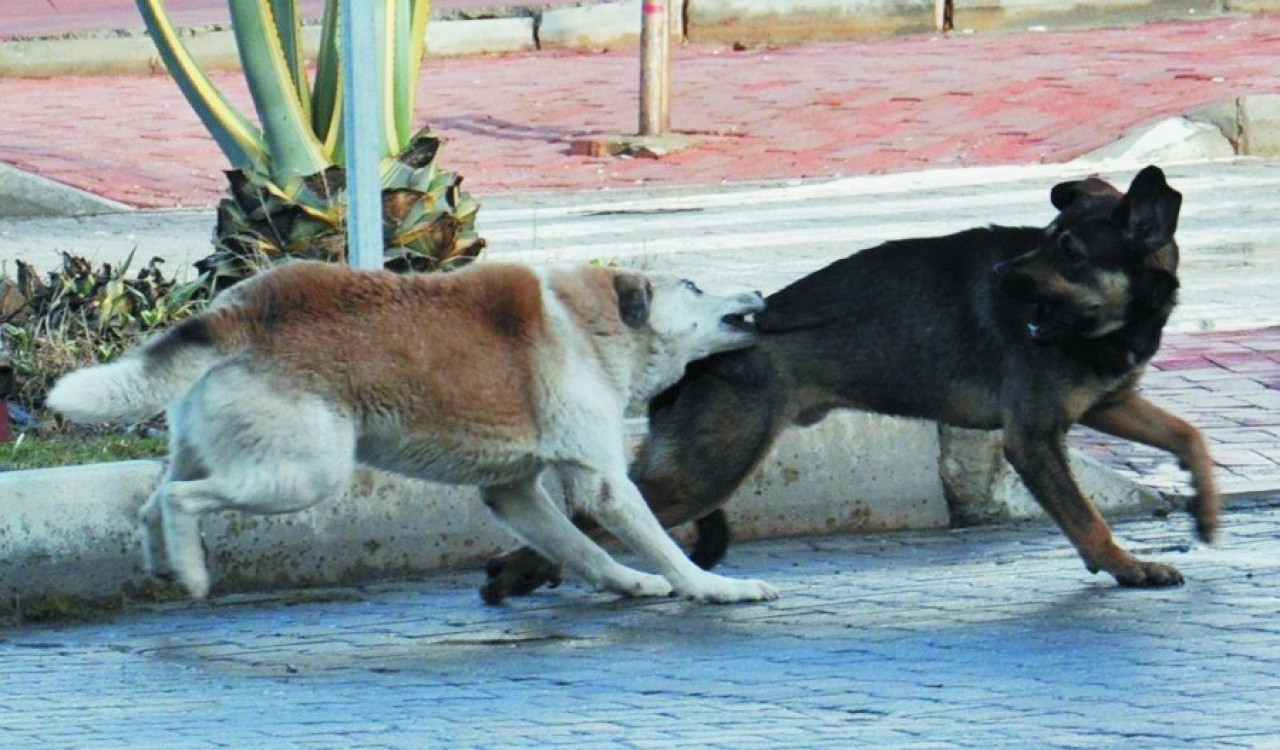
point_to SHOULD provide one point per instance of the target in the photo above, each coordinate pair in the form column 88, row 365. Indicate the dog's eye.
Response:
column 1070, row 248
column 691, row 286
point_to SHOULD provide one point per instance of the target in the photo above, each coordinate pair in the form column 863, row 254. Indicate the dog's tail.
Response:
column 144, row 381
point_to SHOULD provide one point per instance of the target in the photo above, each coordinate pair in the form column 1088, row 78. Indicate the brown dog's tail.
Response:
column 140, row 384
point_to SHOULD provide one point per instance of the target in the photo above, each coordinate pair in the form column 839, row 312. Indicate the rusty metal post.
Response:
column 655, row 68
column 944, row 15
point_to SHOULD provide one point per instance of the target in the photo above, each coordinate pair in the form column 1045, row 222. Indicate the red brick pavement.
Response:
column 811, row 111
column 1228, row 385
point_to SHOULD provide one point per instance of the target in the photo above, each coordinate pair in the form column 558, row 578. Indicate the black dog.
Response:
column 1024, row 329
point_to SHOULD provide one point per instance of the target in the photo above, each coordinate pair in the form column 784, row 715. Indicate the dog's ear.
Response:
column 634, row 292
column 1066, row 193
column 1149, row 212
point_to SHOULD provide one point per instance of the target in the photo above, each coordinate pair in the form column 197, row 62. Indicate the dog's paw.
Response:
column 1149, row 575
column 516, row 574
column 635, row 584
column 1206, row 509
column 195, row 582
column 722, row 590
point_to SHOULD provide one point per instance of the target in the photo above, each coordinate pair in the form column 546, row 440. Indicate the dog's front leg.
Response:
column 621, row 509
column 1135, row 418
column 1041, row 461
column 527, row 510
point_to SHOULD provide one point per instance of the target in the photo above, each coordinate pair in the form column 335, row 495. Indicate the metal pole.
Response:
column 362, row 114
column 655, row 68
column 943, row 13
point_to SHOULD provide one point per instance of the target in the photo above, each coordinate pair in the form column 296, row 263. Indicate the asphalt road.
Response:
column 765, row 235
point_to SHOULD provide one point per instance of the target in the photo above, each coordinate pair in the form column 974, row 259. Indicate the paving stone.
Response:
column 986, row 637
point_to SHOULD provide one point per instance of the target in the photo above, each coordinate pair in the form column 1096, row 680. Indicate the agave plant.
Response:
column 287, row 195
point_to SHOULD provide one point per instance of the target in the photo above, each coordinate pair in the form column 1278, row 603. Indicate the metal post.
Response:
column 655, row 68
column 943, row 15
column 362, row 114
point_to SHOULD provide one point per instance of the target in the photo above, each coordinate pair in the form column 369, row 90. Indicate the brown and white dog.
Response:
column 486, row 376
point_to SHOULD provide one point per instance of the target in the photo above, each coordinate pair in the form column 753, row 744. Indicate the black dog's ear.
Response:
column 1066, row 193
column 634, row 293
column 1149, row 212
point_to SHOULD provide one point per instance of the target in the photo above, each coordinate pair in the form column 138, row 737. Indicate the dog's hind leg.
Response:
column 1137, row 419
column 261, row 447
column 707, row 434
column 181, row 505
column 527, row 510
column 1041, row 461
column 183, row 466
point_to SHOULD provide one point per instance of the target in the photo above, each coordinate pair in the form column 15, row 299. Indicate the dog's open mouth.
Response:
column 739, row 322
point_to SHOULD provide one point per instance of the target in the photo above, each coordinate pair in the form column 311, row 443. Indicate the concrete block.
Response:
column 790, row 21
column 852, row 472
column 599, row 25
column 24, row 195
column 72, row 532
column 1172, row 140
column 77, row 56
column 984, row 15
column 477, row 36
column 1260, row 125
column 1225, row 116
column 1249, row 6
column 982, row 487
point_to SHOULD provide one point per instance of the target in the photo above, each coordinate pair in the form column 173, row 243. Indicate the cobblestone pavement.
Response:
column 1228, row 385
column 978, row 638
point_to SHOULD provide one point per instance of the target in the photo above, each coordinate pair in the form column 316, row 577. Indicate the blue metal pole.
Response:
column 362, row 115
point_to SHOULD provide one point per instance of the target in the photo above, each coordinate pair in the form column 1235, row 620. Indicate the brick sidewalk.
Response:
column 892, row 104
column 1228, row 385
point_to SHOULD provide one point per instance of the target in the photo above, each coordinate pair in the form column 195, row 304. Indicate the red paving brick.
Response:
column 811, row 111
column 1223, row 382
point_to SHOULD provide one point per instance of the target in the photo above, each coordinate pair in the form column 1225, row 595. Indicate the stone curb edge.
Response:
column 70, row 533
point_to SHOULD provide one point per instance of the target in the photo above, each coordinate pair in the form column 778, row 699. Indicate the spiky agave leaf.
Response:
column 428, row 219
column 258, row 225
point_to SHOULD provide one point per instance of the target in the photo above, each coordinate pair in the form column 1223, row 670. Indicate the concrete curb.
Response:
column 70, row 533
column 25, row 195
